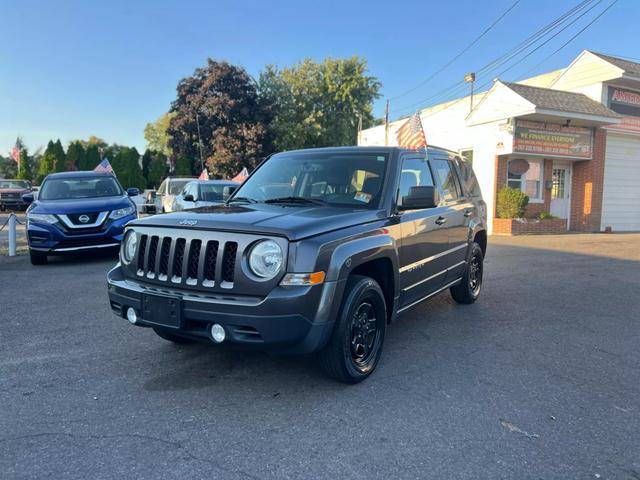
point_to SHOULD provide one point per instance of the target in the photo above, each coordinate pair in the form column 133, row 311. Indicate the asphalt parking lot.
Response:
column 539, row 379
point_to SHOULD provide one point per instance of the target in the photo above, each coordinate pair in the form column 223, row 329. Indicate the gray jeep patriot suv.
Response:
column 318, row 251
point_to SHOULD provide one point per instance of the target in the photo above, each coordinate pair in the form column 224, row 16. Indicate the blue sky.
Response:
column 71, row 69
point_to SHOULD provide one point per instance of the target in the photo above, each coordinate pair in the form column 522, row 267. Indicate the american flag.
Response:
column 242, row 176
column 104, row 167
column 204, row 175
column 411, row 134
column 15, row 151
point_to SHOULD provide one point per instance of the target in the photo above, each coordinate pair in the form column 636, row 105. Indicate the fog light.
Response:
column 217, row 333
column 132, row 316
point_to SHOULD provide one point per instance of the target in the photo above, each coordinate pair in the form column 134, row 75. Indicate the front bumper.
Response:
column 54, row 239
column 292, row 320
column 12, row 204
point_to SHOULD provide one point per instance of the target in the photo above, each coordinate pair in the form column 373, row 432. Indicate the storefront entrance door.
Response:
column 561, row 190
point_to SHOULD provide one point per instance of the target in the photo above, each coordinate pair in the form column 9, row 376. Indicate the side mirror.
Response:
column 132, row 192
column 418, row 198
column 188, row 198
column 27, row 198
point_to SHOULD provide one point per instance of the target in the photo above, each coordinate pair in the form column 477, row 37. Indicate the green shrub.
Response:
column 511, row 203
column 546, row 216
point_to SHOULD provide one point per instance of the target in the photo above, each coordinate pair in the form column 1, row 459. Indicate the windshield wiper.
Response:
column 242, row 199
column 301, row 200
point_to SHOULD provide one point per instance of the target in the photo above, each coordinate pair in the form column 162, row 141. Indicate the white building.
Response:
column 570, row 139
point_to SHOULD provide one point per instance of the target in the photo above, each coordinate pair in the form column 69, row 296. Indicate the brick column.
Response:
column 587, row 186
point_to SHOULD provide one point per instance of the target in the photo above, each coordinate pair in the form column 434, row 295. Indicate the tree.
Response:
column 47, row 162
column 91, row 156
column 157, row 170
column 183, row 166
column 60, row 156
column 8, row 167
column 75, row 156
column 318, row 104
column 219, row 104
column 24, row 168
column 127, row 168
column 157, row 136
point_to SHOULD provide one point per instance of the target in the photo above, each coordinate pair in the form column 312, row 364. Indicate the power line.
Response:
column 462, row 52
column 504, row 58
column 551, row 38
column 572, row 38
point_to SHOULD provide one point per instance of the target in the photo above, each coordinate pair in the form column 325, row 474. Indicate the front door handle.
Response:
column 441, row 221
column 467, row 213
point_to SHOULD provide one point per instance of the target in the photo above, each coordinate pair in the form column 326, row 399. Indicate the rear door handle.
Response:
column 441, row 221
column 467, row 213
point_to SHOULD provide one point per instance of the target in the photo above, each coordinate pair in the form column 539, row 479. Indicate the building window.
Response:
column 467, row 155
column 526, row 175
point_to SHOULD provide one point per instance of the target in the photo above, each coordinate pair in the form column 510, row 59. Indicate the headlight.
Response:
column 41, row 218
column 122, row 212
column 129, row 246
column 265, row 259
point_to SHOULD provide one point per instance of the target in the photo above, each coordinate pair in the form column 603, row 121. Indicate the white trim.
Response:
column 413, row 265
column 581, row 116
column 450, row 284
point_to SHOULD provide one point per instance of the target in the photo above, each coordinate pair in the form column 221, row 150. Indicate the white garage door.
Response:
column 621, row 196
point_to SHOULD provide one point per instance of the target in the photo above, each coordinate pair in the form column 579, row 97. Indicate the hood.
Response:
column 15, row 190
column 293, row 222
column 80, row 205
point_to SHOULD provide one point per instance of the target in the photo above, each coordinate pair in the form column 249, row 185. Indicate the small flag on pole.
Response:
column 242, row 176
column 411, row 134
column 104, row 167
column 15, row 151
column 204, row 175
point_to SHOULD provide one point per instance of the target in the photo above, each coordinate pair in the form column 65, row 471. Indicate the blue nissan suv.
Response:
column 77, row 211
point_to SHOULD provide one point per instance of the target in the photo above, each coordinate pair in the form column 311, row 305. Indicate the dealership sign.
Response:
column 625, row 102
column 552, row 139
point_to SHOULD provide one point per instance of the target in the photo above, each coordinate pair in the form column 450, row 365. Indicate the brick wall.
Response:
column 586, row 188
column 511, row 226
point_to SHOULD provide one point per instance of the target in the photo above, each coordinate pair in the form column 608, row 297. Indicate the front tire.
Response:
column 468, row 290
column 37, row 258
column 172, row 337
column 355, row 346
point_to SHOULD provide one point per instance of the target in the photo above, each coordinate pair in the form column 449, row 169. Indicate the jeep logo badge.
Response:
column 83, row 218
column 188, row 222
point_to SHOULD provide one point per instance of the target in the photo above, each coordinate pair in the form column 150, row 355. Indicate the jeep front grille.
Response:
column 179, row 260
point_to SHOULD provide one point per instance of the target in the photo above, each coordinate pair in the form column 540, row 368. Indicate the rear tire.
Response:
column 172, row 337
column 355, row 346
column 37, row 258
column 468, row 290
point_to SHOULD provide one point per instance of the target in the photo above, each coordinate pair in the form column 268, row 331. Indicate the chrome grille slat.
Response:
column 198, row 260
column 178, row 260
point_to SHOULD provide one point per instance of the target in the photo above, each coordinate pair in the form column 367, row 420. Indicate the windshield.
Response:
column 176, row 186
column 79, row 187
column 17, row 184
column 214, row 193
column 339, row 179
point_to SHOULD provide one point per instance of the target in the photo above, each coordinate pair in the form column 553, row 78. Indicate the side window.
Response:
column 468, row 178
column 447, row 179
column 415, row 173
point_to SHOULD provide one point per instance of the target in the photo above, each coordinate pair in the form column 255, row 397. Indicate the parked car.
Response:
column 77, row 211
column 166, row 193
column 355, row 237
column 204, row 193
column 11, row 192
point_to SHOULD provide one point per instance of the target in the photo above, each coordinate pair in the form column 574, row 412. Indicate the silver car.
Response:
column 202, row 193
column 166, row 195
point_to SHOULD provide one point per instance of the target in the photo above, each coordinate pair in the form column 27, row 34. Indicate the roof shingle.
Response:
column 628, row 66
column 561, row 100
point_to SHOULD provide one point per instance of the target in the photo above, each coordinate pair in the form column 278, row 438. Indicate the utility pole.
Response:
column 386, row 124
column 470, row 78
column 359, row 128
column 199, row 141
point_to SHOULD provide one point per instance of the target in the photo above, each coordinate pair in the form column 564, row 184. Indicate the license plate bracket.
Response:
column 162, row 310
